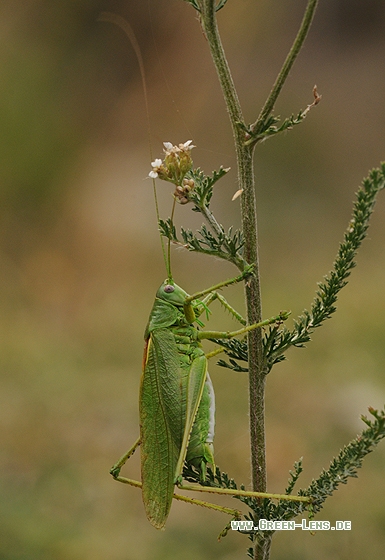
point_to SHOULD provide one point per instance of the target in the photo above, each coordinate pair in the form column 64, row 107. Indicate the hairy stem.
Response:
column 249, row 225
column 257, row 366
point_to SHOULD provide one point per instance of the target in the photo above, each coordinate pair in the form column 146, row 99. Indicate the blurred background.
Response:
column 80, row 263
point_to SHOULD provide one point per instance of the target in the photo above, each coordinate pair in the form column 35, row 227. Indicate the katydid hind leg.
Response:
column 115, row 469
column 245, row 493
column 195, row 389
column 200, row 450
column 283, row 315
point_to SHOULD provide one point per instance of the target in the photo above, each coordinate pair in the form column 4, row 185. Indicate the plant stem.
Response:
column 249, row 226
column 257, row 366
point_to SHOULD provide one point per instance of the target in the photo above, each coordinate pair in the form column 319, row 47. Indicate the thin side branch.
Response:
column 287, row 65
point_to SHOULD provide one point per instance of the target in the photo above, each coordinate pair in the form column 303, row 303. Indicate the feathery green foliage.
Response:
column 266, row 128
column 341, row 468
column 213, row 240
column 278, row 340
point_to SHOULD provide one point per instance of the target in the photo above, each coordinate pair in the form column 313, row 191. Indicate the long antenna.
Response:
column 126, row 27
column 169, row 241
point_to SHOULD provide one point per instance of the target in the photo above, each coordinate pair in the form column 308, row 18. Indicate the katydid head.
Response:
column 172, row 293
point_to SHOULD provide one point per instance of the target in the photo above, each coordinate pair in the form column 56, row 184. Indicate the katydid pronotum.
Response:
column 177, row 404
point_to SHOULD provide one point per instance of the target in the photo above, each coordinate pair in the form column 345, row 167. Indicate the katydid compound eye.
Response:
column 169, row 289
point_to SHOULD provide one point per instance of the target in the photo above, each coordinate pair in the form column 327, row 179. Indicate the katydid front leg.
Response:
column 203, row 305
column 188, row 306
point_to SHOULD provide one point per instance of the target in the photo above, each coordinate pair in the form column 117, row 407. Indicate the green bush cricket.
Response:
column 177, row 399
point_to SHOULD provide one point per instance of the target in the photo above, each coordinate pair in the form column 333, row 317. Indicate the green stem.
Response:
column 257, row 366
column 249, row 225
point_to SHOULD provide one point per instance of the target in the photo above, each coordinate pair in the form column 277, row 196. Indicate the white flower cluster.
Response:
column 176, row 163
